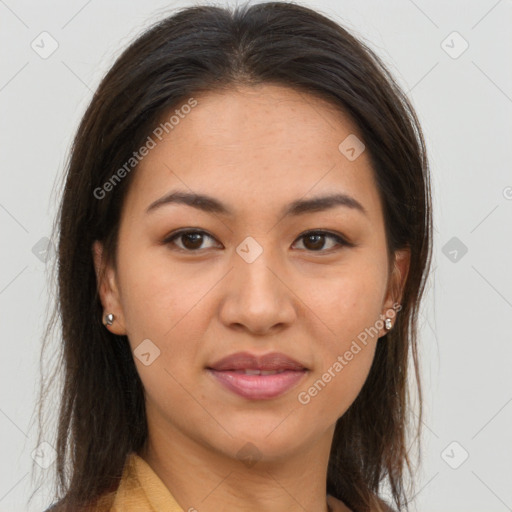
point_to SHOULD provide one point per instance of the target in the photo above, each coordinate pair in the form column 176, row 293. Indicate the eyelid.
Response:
column 340, row 239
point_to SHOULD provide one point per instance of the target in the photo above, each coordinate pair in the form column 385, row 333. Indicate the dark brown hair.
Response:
column 201, row 49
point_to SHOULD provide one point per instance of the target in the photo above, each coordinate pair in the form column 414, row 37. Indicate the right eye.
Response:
column 191, row 239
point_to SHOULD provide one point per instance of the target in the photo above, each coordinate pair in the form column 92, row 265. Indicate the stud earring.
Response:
column 109, row 319
column 388, row 324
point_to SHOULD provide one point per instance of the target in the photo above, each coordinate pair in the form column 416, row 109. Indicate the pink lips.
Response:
column 230, row 372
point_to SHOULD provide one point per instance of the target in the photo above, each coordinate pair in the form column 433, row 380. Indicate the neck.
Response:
column 200, row 478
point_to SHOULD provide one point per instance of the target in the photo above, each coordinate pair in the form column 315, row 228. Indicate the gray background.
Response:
column 464, row 103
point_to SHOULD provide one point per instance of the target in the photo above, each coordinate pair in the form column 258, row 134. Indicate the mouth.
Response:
column 256, row 384
column 244, row 361
column 258, row 377
column 255, row 372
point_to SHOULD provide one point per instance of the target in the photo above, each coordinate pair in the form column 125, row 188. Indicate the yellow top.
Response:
column 140, row 490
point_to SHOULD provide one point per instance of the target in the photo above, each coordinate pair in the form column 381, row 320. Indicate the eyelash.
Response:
column 338, row 238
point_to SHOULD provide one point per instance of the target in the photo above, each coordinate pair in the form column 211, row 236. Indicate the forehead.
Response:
column 255, row 147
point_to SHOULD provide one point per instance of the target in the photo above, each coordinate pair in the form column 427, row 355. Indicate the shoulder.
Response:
column 102, row 505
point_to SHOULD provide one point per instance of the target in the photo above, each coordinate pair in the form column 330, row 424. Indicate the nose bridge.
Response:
column 256, row 296
column 256, row 267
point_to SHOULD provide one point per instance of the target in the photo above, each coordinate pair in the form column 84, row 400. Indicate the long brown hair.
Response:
column 200, row 49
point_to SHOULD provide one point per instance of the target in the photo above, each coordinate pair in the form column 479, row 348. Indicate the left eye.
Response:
column 315, row 240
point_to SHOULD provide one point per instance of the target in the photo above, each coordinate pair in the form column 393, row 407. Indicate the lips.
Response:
column 274, row 361
column 257, row 377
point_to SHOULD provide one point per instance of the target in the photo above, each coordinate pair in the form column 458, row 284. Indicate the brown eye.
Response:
column 190, row 240
column 315, row 241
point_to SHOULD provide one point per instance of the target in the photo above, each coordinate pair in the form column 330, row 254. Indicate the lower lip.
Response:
column 258, row 387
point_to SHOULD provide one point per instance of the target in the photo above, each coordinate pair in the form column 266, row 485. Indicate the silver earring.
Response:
column 388, row 324
column 109, row 319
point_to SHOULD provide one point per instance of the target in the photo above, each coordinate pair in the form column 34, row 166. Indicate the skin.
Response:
column 255, row 149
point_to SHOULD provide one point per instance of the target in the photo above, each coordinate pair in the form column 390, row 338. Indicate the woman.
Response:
column 244, row 239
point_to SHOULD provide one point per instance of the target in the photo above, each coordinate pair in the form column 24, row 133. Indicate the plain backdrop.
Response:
column 453, row 59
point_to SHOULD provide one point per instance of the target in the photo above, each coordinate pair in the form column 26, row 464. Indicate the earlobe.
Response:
column 396, row 286
column 106, row 284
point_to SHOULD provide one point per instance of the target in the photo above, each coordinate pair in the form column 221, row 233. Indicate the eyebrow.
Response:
column 210, row 204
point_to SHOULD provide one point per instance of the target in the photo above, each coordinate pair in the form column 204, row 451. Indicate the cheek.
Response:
column 345, row 350
column 347, row 303
column 157, row 299
column 335, row 388
column 168, row 309
column 349, row 307
column 169, row 306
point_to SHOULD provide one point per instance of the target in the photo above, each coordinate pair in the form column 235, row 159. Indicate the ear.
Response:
column 108, row 290
column 396, row 284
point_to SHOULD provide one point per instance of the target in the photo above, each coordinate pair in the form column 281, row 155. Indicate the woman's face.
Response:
column 253, row 274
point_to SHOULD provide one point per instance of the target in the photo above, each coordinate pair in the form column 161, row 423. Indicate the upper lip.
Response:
column 247, row 361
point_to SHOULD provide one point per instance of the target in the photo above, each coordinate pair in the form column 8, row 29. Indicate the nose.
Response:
column 257, row 297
